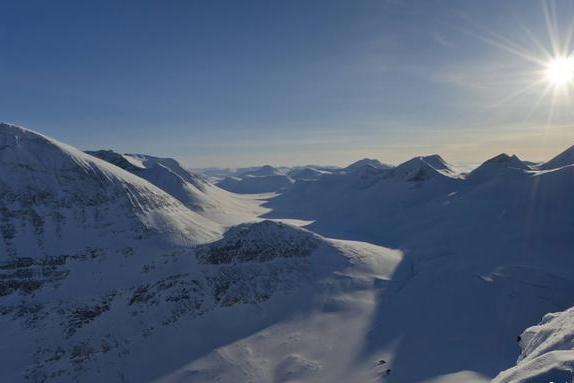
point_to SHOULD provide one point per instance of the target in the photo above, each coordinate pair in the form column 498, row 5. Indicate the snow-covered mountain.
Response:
column 367, row 161
column 189, row 316
column 364, row 203
column 251, row 184
column 57, row 200
column 499, row 165
column 490, row 253
column 122, row 271
column 563, row 159
column 307, row 174
column 421, row 168
column 263, row 171
column 191, row 189
column 116, row 288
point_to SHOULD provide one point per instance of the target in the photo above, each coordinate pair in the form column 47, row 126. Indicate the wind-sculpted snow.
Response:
column 547, row 352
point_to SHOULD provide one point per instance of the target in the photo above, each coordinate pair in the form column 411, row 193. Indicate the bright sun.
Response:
column 560, row 71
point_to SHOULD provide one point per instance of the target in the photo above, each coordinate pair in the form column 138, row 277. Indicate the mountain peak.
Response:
column 497, row 164
column 436, row 161
column 368, row 161
column 263, row 171
column 563, row 159
column 422, row 168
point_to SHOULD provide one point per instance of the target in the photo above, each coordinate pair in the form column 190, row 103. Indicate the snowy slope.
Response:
column 490, row 253
column 365, row 203
column 171, row 315
column 563, row 159
column 105, row 276
column 103, row 300
column 192, row 190
column 547, row 352
column 315, row 334
column 55, row 199
column 496, row 166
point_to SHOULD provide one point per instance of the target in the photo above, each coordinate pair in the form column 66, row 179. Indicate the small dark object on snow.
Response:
column 518, row 338
column 381, row 362
column 388, row 372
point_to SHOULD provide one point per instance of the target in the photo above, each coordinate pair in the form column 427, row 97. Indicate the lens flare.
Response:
column 560, row 71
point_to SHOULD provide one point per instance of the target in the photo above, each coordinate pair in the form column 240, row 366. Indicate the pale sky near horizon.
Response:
column 229, row 83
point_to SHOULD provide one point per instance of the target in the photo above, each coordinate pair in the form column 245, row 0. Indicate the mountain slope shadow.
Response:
column 487, row 256
column 502, row 251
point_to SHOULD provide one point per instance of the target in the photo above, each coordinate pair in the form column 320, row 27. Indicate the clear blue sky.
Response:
column 232, row 83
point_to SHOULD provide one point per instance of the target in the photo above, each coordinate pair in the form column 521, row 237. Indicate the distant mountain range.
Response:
column 130, row 268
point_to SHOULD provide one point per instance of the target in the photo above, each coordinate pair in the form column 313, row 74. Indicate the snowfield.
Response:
column 130, row 268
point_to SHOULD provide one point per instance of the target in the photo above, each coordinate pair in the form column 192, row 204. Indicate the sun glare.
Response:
column 560, row 71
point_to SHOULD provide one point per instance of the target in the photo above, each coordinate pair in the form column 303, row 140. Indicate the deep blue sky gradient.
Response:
column 232, row 83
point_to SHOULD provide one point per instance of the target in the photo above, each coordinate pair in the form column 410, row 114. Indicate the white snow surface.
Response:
column 125, row 271
column 489, row 253
column 57, row 199
column 192, row 190
column 547, row 352
column 274, row 307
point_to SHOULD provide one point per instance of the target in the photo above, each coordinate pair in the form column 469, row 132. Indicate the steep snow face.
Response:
column 547, row 352
column 563, row 159
column 55, row 199
column 192, row 190
column 269, row 288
